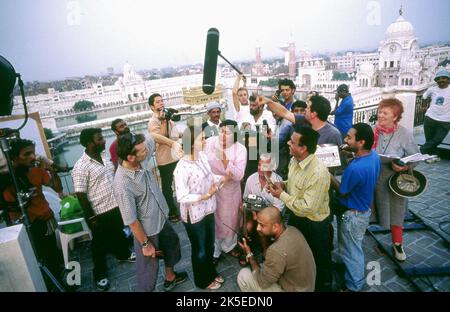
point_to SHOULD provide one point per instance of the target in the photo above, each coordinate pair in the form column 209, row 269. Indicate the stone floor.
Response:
column 425, row 249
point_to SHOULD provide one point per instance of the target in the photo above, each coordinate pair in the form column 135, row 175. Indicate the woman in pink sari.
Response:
column 226, row 156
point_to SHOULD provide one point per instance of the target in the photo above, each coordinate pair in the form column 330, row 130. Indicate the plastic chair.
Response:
column 65, row 239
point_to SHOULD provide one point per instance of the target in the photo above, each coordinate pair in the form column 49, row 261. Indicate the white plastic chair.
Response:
column 66, row 239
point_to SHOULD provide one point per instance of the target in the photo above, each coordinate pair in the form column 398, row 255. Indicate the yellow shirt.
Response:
column 307, row 189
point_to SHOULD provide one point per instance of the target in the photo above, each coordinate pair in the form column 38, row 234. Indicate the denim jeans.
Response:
column 201, row 236
column 351, row 228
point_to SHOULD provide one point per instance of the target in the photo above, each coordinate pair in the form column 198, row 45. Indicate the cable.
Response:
column 442, row 228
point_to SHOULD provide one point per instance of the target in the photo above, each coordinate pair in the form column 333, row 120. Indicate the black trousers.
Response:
column 46, row 250
column 317, row 235
column 435, row 133
column 108, row 236
column 166, row 173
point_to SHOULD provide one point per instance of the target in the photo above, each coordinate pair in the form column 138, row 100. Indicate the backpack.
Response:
column 71, row 209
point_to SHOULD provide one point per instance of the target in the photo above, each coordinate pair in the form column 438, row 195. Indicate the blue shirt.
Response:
column 344, row 115
column 358, row 182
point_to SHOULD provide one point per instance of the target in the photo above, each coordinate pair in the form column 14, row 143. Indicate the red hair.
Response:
column 394, row 104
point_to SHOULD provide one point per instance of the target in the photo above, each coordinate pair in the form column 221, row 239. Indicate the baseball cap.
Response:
column 442, row 73
column 342, row 88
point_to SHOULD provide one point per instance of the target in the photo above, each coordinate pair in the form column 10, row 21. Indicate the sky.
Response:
column 55, row 39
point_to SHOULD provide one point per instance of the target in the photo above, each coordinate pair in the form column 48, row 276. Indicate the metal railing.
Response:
column 419, row 111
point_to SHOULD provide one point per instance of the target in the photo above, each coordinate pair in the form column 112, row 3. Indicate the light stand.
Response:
column 23, row 197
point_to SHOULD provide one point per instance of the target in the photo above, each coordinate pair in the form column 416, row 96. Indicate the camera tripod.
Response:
column 22, row 197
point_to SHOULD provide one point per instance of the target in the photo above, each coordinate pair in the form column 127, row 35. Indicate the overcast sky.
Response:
column 51, row 39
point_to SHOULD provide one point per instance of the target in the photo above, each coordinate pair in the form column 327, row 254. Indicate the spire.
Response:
column 401, row 10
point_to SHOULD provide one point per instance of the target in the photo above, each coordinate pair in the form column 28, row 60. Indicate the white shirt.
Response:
column 253, row 186
column 193, row 178
column 440, row 103
column 266, row 115
column 243, row 115
column 96, row 180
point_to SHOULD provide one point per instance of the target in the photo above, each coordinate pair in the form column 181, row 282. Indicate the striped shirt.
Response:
column 140, row 197
column 307, row 189
column 95, row 179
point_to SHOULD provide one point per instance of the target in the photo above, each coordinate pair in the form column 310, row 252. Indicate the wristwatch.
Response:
column 145, row 244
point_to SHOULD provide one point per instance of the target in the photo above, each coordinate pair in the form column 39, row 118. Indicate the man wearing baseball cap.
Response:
column 437, row 118
column 211, row 126
column 343, row 113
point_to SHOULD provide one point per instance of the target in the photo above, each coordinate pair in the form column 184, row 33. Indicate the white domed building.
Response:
column 397, row 54
column 401, row 62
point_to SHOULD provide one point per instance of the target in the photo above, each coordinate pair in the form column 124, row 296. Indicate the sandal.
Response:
column 219, row 279
column 214, row 285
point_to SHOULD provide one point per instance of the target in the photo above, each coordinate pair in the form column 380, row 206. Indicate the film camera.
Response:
column 170, row 114
column 255, row 203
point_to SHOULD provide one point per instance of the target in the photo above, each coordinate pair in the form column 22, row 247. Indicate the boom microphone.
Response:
column 7, row 82
column 210, row 65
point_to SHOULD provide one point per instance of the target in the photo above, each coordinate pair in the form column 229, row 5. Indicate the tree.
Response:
column 83, row 105
column 341, row 76
column 48, row 133
column 272, row 82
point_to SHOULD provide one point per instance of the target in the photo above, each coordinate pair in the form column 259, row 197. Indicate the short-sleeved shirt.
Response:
column 344, row 115
column 95, row 179
column 253, row 186
column 140, row 197
column 163, row 151
column 359, row 181
column 329, row 134
column 440, row 103
column 38, row 207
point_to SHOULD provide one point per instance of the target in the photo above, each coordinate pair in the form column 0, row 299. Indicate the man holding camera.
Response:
column 166, row 159
column 257, row 186
column 289, row 263
column 43, row 224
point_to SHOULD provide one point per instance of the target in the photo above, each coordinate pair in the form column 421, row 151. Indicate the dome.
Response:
column 366, row 68
column 400, row 29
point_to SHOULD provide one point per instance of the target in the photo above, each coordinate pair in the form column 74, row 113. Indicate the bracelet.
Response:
column 145, row 244
column 249, row 255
